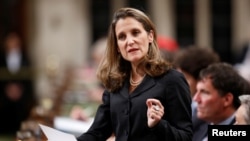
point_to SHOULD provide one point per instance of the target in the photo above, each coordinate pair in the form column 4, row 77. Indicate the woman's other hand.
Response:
column 155, row 112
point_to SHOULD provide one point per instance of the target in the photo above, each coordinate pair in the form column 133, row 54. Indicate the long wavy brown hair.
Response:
column 113, row 69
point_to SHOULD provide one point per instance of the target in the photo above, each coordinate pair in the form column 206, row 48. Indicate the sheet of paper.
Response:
column 56, row 135
column 72, row 126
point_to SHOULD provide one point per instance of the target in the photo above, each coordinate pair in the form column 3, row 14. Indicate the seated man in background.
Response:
column 190, row 61
column 218, row 91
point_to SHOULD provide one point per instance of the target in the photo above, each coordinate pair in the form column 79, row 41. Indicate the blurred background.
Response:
column 58, row 37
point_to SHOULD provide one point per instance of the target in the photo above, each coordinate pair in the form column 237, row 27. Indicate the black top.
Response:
column 125, row 114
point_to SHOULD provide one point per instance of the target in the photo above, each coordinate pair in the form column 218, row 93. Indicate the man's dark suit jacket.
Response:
column 229, row 123
column 200, row 127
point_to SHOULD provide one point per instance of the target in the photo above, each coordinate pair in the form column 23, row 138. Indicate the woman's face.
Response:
column 132, row 39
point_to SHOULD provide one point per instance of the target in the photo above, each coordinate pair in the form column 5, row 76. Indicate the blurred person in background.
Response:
column 190, row 61
column 242, row 61
column 242, row 115
column 142, row 92
column 218, row 91
column 244, row 65
column 94, row 88
column 17, row 97
column 168, row 47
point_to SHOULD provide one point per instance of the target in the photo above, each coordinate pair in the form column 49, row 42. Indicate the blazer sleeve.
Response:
column 101, row 128
column 176, row 124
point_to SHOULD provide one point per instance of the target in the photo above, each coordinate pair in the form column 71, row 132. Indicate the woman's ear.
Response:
column 151, row 36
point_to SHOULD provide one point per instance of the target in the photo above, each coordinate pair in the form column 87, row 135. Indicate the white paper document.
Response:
column 56, row 135
column 73, row 126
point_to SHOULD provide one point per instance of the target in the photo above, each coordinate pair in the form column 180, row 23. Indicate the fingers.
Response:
column 155, row 109
column 154, row 116
column 150, row 101
column 158, row 112
column 154, row 102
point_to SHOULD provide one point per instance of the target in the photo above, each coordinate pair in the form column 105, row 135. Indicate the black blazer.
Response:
column 125, row 114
